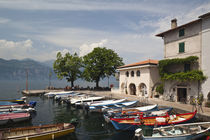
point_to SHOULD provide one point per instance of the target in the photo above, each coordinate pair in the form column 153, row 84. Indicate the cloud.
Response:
column 11, row 49
column 4, row 20
column 95, row 5
column 85, row 48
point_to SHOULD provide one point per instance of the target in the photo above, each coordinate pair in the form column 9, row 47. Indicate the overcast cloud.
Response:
column 39, row 29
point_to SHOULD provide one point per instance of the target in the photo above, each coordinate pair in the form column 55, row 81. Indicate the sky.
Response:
column 38, row 29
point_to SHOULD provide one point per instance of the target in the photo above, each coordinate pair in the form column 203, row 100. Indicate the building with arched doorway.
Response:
column 139, row 78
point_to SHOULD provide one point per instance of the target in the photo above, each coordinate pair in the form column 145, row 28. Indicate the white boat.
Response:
column 65, row 96
column 86, row 99
column 187, row 131
column 107, row 102
column 139, row 109
column 120, row 105
column 54, row 93
column 16, row 110
column 93, row 103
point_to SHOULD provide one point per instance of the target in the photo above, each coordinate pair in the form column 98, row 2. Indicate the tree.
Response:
column 68, row 67
column 100, row 63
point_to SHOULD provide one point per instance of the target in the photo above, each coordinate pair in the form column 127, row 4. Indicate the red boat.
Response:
column 133, row 123
column 13, row 117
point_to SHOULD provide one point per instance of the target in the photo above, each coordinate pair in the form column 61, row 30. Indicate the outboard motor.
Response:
column 32, row 103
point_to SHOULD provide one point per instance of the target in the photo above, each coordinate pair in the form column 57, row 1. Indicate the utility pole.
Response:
column 26, row 79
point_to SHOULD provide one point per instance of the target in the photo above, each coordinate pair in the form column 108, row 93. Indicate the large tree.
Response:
column 68, row 67
column 100, row 63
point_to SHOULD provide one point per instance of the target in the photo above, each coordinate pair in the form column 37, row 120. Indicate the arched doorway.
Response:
column 122, row 87
column 143, row 89
column 132, row 89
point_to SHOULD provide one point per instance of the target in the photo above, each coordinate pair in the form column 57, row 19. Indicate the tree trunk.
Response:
column 97, row 82
column 72, row 83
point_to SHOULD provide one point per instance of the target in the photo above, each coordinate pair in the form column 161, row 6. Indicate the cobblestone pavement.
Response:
column 205, row 115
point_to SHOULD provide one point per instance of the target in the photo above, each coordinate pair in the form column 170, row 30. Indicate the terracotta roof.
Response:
column 149, row 61
column 178, row 27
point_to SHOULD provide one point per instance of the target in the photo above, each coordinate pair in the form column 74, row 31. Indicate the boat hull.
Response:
column 47, row 136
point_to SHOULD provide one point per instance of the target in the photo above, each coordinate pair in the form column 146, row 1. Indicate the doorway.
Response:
column 182, row 95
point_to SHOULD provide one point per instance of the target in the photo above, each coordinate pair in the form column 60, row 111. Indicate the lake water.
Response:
column 91, row 125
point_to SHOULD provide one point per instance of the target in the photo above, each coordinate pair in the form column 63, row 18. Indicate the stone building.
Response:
column 190, row 39
column 139, row 78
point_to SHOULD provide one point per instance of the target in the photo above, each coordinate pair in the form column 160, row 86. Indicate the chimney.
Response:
column 173, row 23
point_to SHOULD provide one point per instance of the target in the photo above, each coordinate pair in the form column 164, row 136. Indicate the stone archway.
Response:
column 154, row 93
column 142, row 89
column 122, row 88
column 132, row 89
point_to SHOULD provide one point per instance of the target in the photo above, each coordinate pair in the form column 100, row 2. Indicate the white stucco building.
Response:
column 190, row 39
column 139, row 78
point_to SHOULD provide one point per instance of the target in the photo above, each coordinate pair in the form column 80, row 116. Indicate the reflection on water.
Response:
column 92, row 126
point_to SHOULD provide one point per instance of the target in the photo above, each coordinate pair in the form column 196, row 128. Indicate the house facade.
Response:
column 139, row 78
column 190, row 39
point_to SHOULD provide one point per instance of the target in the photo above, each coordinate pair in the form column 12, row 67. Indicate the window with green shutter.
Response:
column 181, row 32
column 181, row 47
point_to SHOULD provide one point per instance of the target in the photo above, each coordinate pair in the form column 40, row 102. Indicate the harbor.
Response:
column 104, row 70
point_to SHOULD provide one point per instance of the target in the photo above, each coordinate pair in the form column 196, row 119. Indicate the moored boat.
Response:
column 187, row 131
column 134, row 122
column 86, row 99
column 45, row 132
column 13, row 117
column 130, row 114
column 120, row 105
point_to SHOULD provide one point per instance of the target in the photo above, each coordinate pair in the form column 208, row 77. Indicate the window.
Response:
column 181, row 32
column 138, row 73
column 186, row 67
column 181, row 47
column 132, row 73
column 127, row 74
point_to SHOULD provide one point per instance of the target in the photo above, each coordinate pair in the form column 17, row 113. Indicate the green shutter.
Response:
column 181, row 32
column 181, row 47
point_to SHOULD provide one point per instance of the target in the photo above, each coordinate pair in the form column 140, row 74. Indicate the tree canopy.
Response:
column 100, row 63
column 68, row 67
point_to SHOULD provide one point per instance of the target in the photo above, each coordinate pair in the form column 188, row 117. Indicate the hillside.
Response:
column 16, row 70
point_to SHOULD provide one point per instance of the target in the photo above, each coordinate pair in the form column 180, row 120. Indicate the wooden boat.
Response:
column 150, row 113
column 104, row 108
column 176, row 132
column 134, row 123
column 13, row 117
column 44, row 132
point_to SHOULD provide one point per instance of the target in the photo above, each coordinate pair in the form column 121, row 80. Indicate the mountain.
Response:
column 17, row 69
column 48, row 63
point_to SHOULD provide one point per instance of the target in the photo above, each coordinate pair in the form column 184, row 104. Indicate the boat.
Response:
column 130, row 114
column 44, row 132
column 104, row 108
column 65, row 96
column 15, row 105
column 13, row 117
column 134, row 109
column 134, row 122
column 14, row 101
column 105, row 102
column 16, row 110
column 86, row 99
column 54, row 93
column 175, row 132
